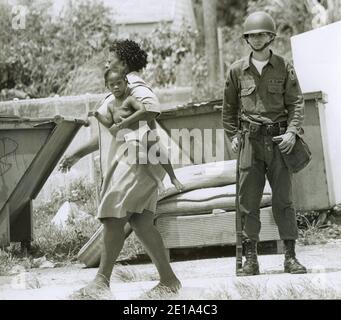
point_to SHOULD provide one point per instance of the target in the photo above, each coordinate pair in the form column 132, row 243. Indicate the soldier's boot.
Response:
column 291, row 264
column 251, row 266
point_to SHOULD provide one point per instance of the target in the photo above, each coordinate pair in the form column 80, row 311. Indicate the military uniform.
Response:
column 263, row 106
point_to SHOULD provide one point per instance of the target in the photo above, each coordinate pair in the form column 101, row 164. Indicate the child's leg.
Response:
column 167, row 166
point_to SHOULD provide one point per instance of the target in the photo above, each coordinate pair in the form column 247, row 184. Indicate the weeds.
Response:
column 131, row 249
column 316, row 230
column 13, row 260
column 219, row 293
column 311, row 234
column 7, row 261
column 248, row 289
column 306, row 290
column 131, row 274
column 62, row 244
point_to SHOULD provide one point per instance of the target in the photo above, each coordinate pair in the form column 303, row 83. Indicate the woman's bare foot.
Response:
column 164, row 289
column 97, row 289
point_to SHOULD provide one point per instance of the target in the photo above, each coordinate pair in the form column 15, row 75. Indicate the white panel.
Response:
column 317, row 60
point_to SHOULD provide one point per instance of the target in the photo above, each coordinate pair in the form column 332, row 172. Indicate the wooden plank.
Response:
column 22, row 227
column 209, row 229
column 43, row 164
column 4, row 227
column 18, row 149
column 90, row 253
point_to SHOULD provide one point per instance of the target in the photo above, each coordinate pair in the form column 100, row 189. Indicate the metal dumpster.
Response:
column 30, row 148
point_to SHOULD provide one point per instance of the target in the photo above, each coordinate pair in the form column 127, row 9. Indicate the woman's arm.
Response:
column 88, row 147
column 140, row 114
column 69, row 160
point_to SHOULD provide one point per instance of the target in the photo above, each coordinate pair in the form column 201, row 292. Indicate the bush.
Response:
column 38, row 59
column 166, row 50
column 64, row 244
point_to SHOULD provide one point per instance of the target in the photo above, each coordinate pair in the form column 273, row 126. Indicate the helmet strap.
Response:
column 262, row 48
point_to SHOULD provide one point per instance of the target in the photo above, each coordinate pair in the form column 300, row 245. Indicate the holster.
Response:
column 246, row 151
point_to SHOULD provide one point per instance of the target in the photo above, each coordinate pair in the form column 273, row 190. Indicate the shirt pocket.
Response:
column 276, row 94
column 275, row 88
column 248, row 98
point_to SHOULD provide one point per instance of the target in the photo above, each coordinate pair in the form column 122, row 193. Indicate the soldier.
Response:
column 263, row 110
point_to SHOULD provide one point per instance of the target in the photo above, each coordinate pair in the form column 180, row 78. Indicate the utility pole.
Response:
column 211, row 39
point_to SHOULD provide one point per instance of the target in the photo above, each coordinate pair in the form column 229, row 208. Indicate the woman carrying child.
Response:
column 123, row 111
column 129, row 193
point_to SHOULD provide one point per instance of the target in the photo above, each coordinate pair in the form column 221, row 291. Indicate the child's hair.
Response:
column 130, row 52
column 109, row 71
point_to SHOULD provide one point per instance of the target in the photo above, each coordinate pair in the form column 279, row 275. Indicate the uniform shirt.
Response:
column 273, row 96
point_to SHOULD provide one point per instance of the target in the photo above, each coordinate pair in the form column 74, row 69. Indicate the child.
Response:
column 124, row 107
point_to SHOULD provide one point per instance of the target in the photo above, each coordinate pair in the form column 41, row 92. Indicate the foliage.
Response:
column 231, row 12
column 7, row 261
column 291, row 17
column 61, row 245
column 307, row 218
column 166, row 49
column 317, row 227
column 39, row 58
column 65, row 55
column 64, row 244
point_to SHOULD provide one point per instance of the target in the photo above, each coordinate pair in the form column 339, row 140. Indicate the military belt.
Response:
column 269, row 129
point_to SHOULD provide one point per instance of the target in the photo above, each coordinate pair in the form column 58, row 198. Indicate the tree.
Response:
column 211, row 39
column 39, row 59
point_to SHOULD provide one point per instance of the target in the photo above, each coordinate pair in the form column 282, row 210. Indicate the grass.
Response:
column 132, row 274
column 61, row 245
column 316, row 230
column 7, row 261
column 304, row 289
column 132, row 248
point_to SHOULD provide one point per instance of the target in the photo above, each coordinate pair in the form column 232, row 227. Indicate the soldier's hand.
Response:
column 285, row 142
column 234, row 144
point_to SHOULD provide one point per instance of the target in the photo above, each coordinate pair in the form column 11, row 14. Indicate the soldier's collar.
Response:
column 247, row 60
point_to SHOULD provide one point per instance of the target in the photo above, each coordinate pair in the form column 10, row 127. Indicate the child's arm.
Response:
column 101, row 118
column 139, row 114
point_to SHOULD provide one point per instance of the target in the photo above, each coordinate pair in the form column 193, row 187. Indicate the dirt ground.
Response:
column 202, row 279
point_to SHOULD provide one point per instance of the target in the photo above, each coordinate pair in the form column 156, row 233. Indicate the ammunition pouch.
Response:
column 299, row 157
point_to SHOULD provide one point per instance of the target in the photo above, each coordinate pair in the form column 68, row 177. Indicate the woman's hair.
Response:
column 131, row 53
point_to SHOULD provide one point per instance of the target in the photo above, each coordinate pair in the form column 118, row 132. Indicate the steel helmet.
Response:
column 258, row 22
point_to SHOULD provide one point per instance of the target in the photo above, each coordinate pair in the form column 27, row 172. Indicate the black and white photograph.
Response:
column 183, row 151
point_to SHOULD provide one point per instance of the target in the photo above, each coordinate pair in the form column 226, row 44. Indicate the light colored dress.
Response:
column 126, row 187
